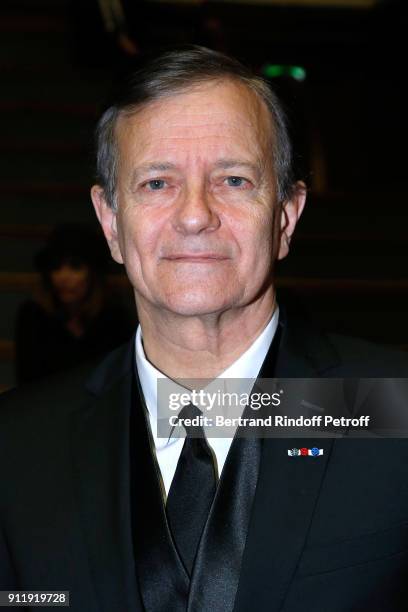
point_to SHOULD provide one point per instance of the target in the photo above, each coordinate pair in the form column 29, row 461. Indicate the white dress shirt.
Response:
column 247, row 366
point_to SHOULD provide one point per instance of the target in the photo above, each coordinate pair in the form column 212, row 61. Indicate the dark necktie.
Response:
column 192, row 490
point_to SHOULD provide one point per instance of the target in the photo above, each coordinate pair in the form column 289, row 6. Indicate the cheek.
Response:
column 139, row 235
column 254, row 235
column 83, row 277
column 81, row 283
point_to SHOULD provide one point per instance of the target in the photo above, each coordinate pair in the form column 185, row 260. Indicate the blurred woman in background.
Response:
column 72, row 317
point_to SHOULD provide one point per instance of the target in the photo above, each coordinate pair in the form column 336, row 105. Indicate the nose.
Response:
column 195, row 212
column 62, row 273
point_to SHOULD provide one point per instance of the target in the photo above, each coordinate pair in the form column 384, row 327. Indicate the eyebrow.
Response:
column 228, row 163
column 153, row 167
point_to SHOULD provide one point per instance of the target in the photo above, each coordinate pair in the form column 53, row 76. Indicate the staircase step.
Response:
column 45, row 147
column 34, row 23
column 46, row 108
column 7, row 350
column 33, row 127
column 7, row 376
column 34, row 46
column 45, row 207
column 34, row 6
column 332, row 265
column 58, row 87
column 44, row 188
column 20, row 231
column 40, row 166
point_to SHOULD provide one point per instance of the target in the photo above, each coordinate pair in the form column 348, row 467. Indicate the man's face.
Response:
column 198, row 224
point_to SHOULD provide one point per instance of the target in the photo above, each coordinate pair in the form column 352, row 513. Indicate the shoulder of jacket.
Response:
column 62, row 393
column 57, row 393
column 367, row 359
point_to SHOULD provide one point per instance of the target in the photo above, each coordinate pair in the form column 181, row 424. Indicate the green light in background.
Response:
column 298, row 73
column 271, row 71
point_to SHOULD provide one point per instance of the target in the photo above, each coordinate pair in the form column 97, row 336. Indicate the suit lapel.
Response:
column 163, row 581
column 288, row 487
column 100, row 443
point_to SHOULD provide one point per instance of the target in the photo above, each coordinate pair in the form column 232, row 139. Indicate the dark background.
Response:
column 348, row 117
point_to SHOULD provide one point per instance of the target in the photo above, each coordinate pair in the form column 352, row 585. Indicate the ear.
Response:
column 290, row 213
column 108, row 219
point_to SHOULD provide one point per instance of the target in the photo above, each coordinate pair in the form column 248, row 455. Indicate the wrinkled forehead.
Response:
column 225, row 111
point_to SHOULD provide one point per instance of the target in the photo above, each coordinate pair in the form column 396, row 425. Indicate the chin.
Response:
column 190, row 306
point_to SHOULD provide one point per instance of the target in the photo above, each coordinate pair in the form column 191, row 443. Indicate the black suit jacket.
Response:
column 329, row 534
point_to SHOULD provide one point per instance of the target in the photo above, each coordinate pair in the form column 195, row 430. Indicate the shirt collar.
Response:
column 247, row 366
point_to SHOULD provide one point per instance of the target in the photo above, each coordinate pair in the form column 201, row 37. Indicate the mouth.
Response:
column 196, row 257
column 66, row 289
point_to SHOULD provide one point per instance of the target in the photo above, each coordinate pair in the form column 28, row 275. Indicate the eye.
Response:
column 155, row 184
column 235, row 181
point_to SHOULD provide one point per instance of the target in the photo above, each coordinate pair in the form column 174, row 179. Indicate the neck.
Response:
column 202, row 346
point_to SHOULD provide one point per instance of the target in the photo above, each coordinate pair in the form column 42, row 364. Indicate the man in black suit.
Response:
column 197, row 199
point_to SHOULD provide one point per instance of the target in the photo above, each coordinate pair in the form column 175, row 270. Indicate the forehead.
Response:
column 213, row 118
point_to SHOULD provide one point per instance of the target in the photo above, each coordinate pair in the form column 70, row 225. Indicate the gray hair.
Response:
column 174, row 72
